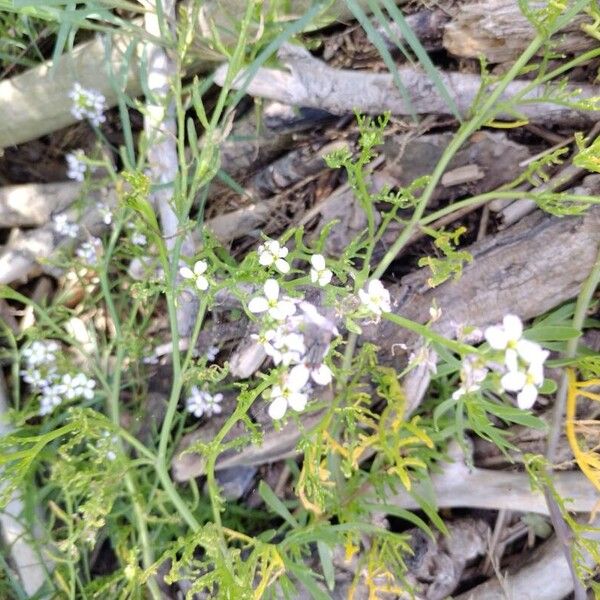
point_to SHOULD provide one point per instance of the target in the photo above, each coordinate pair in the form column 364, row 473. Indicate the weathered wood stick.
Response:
column 310, row 82
column 498, row 30
column 32, row 204
column 36, row 102
column 544, row 576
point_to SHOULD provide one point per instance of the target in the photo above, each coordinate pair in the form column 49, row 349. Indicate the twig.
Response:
column 310, row 82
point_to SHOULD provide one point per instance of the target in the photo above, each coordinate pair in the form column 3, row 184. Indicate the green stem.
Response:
column 583, row 301
column 175, row 498
column 483, row 115
column 427, row 333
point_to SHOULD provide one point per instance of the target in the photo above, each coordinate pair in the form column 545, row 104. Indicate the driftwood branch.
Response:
column 310, row 82
column 544, row 576
column 498, row 30
column 33, row 204
column 36, row 102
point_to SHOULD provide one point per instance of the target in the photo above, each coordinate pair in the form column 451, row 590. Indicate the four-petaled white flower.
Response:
column 87, row 104
column 270, row 253
column 51, row 397
column 63, row 226
column 278, row 309
column 508, row 337
column 89, row 252
column 197, row 274
column 78, row 386
column 376, row 298
column 319, row 273
column 40, row 353
column 76, row 166
column 288, row 393
column 201, row 402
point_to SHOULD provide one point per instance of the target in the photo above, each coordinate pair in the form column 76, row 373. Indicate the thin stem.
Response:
column 581, row 306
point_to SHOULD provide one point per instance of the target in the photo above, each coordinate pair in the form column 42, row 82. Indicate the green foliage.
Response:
column 104, row 485
column 452, row 263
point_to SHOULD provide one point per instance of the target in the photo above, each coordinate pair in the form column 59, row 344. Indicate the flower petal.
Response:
column 277, row 408
column 266, row 259
column 527, row 397
column 325, row 278
column 271, row 289
column 282, row 266
column 496, row 337
column 511, row 359
column 322, row 375
column 513, row 381
column 297, row 401
column 186, row 273
column 297, row 378
column 200, row 267
column 317, row 261
column 530, row 352
column 258, row 305
column 202, row 283
column 314, row 275
column 513, row 327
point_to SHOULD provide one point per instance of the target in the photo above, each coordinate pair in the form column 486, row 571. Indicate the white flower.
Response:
column 508, row 337
column 40, row 353
column 105, row 212
column 197, row 274
column 278, row 309
column 50, row 399
column 63, row 226
column 424, row 356
column 321, row 374
column 319, row 273
column 87, row 104
column 211, row 353
column 139, row 239
column 526, row 382
column 77, row 386
column 376, row 298
column 76, row 166
column 289, row 393
column 89, row 252
column 203, row 403
column 472, row 374
column 270, row 253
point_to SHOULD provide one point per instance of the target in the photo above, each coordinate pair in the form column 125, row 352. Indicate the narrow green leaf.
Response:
column 379, row 43
column 421, row 54
column 275, row 504
column 326, row 563
column 552, row 333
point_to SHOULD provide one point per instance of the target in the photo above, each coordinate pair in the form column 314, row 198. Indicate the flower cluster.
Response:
column 41, row 373
column 201, row 402
column 87, row 104
column 76, row 165
column 90, row 251
column 63, row 226
column 523, row 359
column 284, row 341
